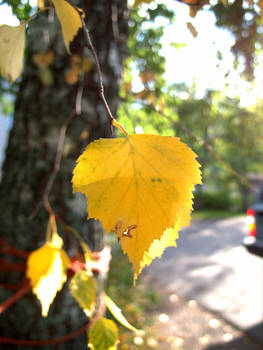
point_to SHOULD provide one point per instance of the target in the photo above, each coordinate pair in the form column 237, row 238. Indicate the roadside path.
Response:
column 212, row 267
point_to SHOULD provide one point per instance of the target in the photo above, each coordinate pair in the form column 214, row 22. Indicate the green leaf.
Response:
column 116, row 312
column 103, row 335
column 83, row 288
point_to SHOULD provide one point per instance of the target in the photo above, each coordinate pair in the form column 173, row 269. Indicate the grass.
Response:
column 138, row 303
column 214, row 214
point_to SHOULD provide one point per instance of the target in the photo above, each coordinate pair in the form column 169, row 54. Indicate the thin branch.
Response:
column 57, row 163
column 68, row 337
column 22, row 291
column 10, row 286
column 94, row 53
column 8, row 266
column 7, row 248
column 59, row 154
column 79, row 95
column 66, row 227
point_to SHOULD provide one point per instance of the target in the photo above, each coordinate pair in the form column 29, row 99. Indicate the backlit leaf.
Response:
column 83, row 287
column 116, row 312
column 43, row 59
column 69, row 19
column 41, row 4
column 46, row 270
column 138, row 2
column 12, row 45
column 103, row 335
column 138, row 187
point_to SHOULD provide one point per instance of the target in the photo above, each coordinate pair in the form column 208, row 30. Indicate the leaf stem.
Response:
column 37, row 13
column 22, row 291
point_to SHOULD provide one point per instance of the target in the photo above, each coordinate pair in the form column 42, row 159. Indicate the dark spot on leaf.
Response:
column 157, row 179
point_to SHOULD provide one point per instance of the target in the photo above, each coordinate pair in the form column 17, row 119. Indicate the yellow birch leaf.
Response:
column 138, row 187
column 69, row 19
column 83, row 288
column 12, row 45
column 103, row 335
column 46, row 270
column 116, row 312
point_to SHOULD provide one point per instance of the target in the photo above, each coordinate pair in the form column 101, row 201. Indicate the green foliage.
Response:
column 83, row 288
column 103, row 335
column 21, row 9
column 244, row 22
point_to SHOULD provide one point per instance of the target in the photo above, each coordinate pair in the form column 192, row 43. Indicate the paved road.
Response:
column 211, row 266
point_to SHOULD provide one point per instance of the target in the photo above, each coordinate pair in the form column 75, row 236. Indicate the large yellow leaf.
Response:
column 12, row 45
column 138, row 187
column 103, row 335
column 46, row 270
column 69, row 19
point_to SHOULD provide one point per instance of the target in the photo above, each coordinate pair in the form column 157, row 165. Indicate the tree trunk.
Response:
column 44, row 103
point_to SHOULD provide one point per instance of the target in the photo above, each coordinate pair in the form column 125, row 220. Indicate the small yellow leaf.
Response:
column 71, row 76
column 12, row 45
column 138, row 2
column 83, row 287
column 138, row 187
column 41, row 4
column 116, row 312
column 103, row 335
column 46, row 270
column 43, row 59
column 69, row 19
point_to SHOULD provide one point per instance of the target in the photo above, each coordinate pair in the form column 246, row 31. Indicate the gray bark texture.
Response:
column 43, row 105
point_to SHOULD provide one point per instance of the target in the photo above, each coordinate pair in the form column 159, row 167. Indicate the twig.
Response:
column 7, row 248
column 22, row 291
column 57, row 163
column 94, row 53
column 63, row 339
column 10, row 286
column 7, row 266
column 66, row 227
column 37, row 13
column 79, row 95
column 59, row 154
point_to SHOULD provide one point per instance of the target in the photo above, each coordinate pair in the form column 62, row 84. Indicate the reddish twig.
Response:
column 7, row 248
column 8, row 266
column 63, row 339
column 10, row 286
column 22, row 291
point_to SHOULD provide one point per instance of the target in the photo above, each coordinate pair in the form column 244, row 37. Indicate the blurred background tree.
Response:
column 55, row 85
